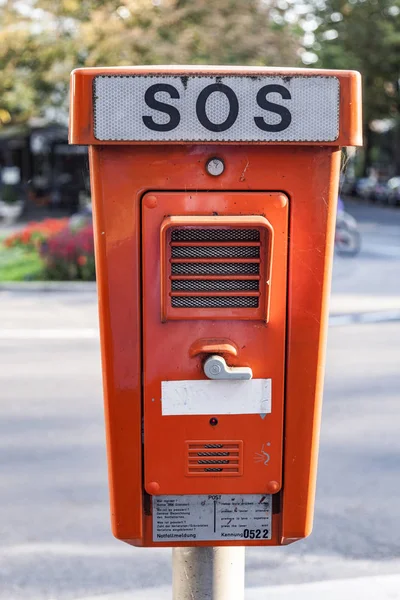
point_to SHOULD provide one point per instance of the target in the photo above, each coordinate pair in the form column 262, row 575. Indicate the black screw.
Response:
column 213, row 421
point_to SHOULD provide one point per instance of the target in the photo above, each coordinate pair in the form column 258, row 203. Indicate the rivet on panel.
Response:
column 153, row 488
column 280, row 201
column 273, row 487
column 150, row 201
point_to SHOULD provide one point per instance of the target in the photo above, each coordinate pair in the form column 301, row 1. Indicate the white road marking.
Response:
column 381, row 250
column 382, row 587
column 380, row 316
column 336, row 320
column 49, row 549
column 383, row 316
column 49, row 334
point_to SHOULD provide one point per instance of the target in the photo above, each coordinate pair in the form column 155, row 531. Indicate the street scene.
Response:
column 55, row 533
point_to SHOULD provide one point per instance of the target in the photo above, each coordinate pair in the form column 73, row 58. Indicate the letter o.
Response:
column 201, row 107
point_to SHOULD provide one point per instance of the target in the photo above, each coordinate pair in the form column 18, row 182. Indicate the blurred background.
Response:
column 55, row 540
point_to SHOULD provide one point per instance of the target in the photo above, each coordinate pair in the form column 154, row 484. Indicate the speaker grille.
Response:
column 214, row 267
column 213, row 458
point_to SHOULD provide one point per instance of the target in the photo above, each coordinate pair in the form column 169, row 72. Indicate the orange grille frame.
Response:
column 265, row 244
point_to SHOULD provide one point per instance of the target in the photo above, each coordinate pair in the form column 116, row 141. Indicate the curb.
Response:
column 48, row 286
column 378, row 316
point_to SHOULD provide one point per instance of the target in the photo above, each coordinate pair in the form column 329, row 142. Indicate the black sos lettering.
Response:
column 282, row 111
column 201, row 107
column 201, row 110
column 152, row 102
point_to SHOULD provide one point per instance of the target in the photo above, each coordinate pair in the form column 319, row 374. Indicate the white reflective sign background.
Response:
column 216, row 108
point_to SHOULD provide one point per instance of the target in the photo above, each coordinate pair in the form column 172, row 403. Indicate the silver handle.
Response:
column 215, row 367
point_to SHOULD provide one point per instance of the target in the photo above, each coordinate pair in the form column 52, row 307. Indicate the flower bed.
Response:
column 65, row 252
column 69, row 255
column 34, row 234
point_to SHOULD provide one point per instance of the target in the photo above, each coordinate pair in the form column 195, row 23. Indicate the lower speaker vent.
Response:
column 223, row 458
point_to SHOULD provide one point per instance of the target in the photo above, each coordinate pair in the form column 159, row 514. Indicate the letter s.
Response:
column 174, row 116
column 286, row 117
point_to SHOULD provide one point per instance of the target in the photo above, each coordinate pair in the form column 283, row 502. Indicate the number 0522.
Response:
column 255, row 534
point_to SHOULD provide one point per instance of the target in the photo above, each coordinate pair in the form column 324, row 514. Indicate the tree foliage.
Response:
column 40, row 47
column 363, row 35
column 33, row 64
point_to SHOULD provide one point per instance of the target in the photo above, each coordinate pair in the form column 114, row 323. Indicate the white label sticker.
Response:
column 214, row 517
column 209, row 397
column 248, row 108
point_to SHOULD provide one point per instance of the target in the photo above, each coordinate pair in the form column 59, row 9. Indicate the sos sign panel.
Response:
column 201, row 108
column 214, row 194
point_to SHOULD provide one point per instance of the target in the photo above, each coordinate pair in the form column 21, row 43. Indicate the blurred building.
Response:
column 51, row 173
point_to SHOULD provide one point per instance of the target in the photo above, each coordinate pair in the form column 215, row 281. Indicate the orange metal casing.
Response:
column 121, row 174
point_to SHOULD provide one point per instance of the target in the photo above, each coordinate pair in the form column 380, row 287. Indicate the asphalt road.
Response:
column 375, row 272
column 55, row 541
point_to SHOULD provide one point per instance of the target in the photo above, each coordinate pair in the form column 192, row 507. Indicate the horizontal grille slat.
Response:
column 205, row 458
column 193, row 454
column 219, row 285
column 215, row 252
column 214, row 234
column 213, row 462
column 214, row 301
column 215, row 268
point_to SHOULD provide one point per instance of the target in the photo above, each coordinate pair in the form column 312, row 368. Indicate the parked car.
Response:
column 364, row 187
column 380, row 192
column 11, row 194
column 393, row 197
column 347, row 234
column 348, row 185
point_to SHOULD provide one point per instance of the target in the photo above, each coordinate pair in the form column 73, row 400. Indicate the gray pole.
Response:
column 206, row 573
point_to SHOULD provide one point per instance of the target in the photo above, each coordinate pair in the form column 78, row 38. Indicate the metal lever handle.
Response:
column 215, row 367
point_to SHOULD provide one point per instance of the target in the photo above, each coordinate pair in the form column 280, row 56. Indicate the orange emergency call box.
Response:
column 214, row 193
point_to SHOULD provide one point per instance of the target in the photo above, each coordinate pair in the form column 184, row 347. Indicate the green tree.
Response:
column 363, row 35
column 35, row 58
column 40, row 47
column 187, row 32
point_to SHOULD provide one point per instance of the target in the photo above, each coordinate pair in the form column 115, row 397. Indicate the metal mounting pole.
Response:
column 206, row 573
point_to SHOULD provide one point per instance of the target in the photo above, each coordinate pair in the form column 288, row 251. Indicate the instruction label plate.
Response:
column 212, row 517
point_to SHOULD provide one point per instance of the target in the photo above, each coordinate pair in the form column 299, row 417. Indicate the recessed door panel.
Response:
column 214, row 318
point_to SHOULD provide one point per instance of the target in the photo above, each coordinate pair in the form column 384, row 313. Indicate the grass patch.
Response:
column 17, row 264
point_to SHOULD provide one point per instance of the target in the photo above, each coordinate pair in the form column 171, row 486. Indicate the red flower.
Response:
column 36, row 232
